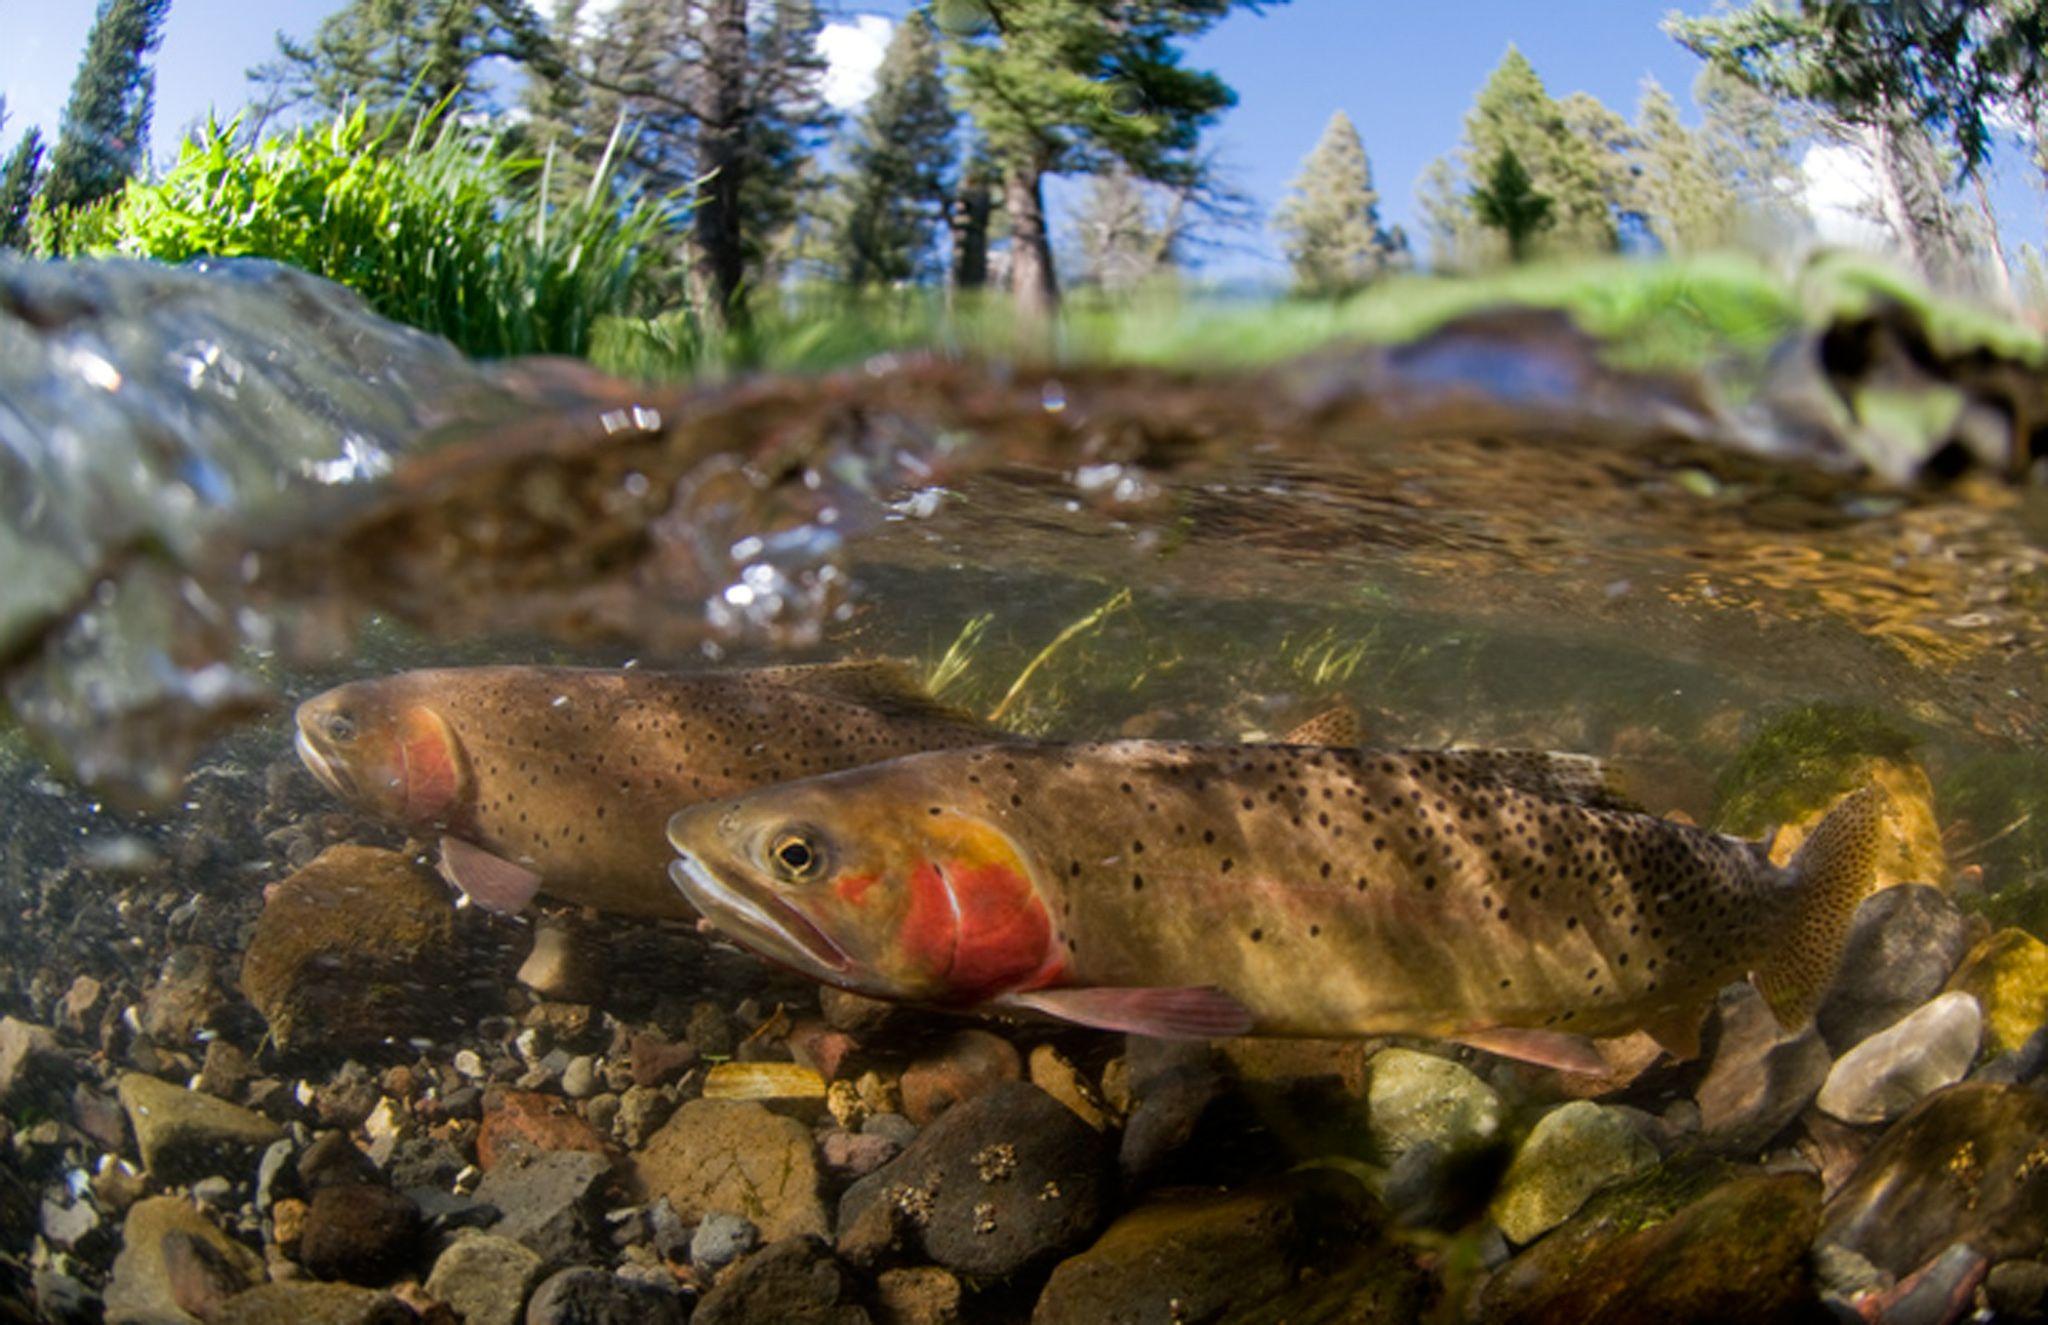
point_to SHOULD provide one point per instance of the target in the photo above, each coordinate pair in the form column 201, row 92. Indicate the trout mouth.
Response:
column 320, row 766
column 758, row 918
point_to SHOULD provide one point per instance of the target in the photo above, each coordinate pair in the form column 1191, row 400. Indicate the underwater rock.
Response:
column 1180, row 1112
column 656, row 1061
column 2008, row 975
column 566, row 963
column 796, row 1280
column 791, row 1086
column 185, row 998
column 1572, row 1152
column 332, row 1160
column 2020, row 1065
column 1416, row 1098
column 485, row 1278
column 356, row 948
column 33, row 1066
column 734, row 1157
column 853, row 1013
column 966, row 1065
column 148, row 1286
column 1008, row 1180
column 524, row 1120
column 548, row 1203
column 224, row 1070
column 1219, row 1255
column 642, row 1111
column 2018, row 1291
column 856, row 1154
column 1053, row 1073
column 584, row 1295
column 720, row 1240
column 1938, row 1293
column 299, row 1303
column 1886, row 1074
column 917, row 1295
column 1968, row 1164
column 185, row 1136
column 1657, row 1249
column 1759, row 1078
column 361, row 1233
column 1903, row 944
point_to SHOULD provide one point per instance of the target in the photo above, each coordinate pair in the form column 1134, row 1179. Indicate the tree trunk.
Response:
column 1892, row 206
column 2001, row 271
column 721, row 112
column 968, row 218
column 1031, row 274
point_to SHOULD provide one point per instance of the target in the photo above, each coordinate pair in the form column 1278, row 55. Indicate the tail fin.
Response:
column 1831, row 873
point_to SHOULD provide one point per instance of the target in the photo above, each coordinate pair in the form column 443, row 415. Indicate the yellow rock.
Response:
column 763, row 1081
column 1912, row 851
column 2008, row 973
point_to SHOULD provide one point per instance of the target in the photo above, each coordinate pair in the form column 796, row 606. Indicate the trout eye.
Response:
column 797, row 856
column 341, row 728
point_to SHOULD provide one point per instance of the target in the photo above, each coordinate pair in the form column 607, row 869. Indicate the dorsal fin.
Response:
column 1337, row 725
column 1580, row 779
column 883, row 684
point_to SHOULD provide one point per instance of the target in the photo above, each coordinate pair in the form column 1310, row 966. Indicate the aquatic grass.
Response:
column 958, row 659
column 1116, row 602
column 447, row 230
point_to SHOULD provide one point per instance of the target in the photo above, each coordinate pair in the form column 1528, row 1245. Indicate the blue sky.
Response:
column 1405, row 72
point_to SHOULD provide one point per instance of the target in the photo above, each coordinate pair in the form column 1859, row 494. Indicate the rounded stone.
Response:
column 1888, row 1073
column 360, row 1233
column 485, row 1278
column 1572, row 1152
column 722, row 1239
column 968, row 1064
column 588, row 1296
column 1416, row 1098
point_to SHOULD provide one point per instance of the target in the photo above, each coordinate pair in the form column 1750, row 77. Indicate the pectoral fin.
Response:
column 1200, row 1013
column 492, row 882
column 1554, row 1049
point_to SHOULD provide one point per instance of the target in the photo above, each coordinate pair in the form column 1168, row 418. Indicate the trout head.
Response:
column 869, row 881
column 382, row 747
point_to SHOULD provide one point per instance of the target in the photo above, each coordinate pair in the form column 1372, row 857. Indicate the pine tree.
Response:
column 1751, row 145
column 1123, row 241
column 901, row 165
column 103, row 136
column 1056, row 87
column 398, row 55
column 1570, row 151
column 1508, row 202
column 18, row 181
column 1335, row 242
column 1689, row 205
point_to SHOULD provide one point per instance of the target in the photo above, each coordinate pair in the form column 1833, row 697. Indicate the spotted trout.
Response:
column 562, row 778
column 1507, row 899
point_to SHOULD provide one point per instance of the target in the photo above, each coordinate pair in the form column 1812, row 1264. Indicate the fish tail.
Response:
column 1831, row 875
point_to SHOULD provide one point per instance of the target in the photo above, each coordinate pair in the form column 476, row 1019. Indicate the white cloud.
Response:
column 1841, row 196
column 853, row 51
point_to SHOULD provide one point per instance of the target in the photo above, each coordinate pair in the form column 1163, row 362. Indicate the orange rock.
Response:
column 968, row 1064
column 528, row 1120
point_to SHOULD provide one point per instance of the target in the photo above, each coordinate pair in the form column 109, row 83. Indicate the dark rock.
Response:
column 587, row 1296
column 225, row 1069
column 2018, row 1291
column 485, row 1278
column 185, row 1136
column 334, row 1160
column 1005, row 1181
column 447, row 1212
column 566, row 962
column 1759, row 1077
column 2020, row 1066
column 1903, row 945
column 359, row 1233
column 1657, row 1249
column 299, row 1303
column 918, row 1295
column 735, row 1157
column 33, row 1067
column 1938, row 1293
column 185, row 998
column 276, row 1175
column 1298, row 1248
column 100, row 1117
column 720, row 1240
column 854, row 1013
column 966, row 1065
column 1968, row 1164
column 890, row 1127
column 796, row 1281
column 62, row 1300
column 709, row 1027
column 423, row 1161
column 656, row 1060
column 549, row 1203
column 355, row 949
column 1174, row 1102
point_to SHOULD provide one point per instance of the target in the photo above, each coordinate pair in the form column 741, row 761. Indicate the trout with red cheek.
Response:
column 1508, row 899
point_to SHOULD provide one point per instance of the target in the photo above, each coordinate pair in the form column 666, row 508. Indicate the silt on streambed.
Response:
column 256, row 1061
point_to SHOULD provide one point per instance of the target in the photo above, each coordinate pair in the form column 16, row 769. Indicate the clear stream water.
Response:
column 222, row 490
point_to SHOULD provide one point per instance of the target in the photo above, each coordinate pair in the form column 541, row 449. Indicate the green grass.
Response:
column 446, row 230
column 1726, row 311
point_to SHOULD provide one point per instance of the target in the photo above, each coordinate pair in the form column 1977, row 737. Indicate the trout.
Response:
column 561, row 778
column 1507, row 899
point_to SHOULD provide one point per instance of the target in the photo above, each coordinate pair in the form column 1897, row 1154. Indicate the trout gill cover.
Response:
column 561, row 778
column 1505, row 898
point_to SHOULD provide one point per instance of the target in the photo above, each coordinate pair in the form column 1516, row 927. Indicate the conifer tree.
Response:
column 1335, row 242
column 900, row 180
column 104, row 134
column 1751, row 144
column 1056, row 87
column 1122, row 240
column 1507, row 201
column 1688, row 204
column 396, row 55
column 18, row 181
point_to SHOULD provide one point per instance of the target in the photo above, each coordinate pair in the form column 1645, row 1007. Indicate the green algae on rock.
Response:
column 1572, row 1152
column 2008, row 975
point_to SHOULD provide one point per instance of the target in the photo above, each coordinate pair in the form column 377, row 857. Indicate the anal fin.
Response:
column 492, row 882
column 1554, row 1049
column 1195, row 1013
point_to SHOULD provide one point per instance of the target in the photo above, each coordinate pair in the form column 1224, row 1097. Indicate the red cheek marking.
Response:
column 1005, row 933
column 433, row 782
column 853, row 888
column 929, row 926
